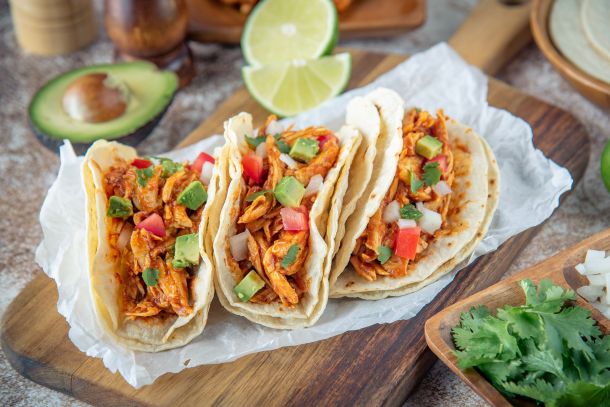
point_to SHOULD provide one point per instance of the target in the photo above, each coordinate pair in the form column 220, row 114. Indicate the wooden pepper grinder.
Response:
column 153, row 30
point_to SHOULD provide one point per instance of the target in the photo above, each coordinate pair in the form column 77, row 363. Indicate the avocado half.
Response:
column 150, row 94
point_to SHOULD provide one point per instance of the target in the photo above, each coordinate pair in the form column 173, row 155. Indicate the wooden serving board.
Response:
column 559, row 269
column 212, row 21
column 378, row 365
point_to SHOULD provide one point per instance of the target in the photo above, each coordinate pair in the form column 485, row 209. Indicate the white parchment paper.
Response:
column 437, row 78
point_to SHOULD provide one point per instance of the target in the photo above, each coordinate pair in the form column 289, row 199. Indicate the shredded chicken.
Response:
column 364, row 259
column 269, row 243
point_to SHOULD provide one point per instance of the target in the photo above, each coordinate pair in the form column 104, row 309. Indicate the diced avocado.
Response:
column 148, row 92
column 304, row 149
column 186, row 251
column 248, row 286
column 428, row 147
column 119, row 207
column 193, row 196
column 289, row 192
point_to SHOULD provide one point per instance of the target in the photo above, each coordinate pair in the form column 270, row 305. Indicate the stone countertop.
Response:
column 582, row 214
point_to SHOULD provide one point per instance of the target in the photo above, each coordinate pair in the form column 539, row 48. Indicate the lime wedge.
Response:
column 281, row 30
column 605, row 165
column 288, row 88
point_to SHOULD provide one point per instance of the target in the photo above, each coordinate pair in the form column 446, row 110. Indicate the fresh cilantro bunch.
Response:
column 547, row 349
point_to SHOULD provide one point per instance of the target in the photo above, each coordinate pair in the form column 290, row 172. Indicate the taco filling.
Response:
column 153, row 216
column 414, row 210
column 283, row 172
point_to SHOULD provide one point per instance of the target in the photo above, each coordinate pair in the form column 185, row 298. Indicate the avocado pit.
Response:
column 95, row 98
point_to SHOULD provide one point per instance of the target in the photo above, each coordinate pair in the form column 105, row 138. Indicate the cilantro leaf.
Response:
column 170, row 167
column 255, row 141
column 582, row 394
column 144, row 175
column 282, row 146
column 290, row 256
column 415, row 182
column 150, row 276
column 384, row 254
column 409, row 211
column 539, row 390
column 432, row 173
column 254, row 195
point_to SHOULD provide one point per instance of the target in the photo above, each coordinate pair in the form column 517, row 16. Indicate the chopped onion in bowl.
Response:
column 406, row 223
column 430, row 221
column 239, row 245
column 288, row 160
column 274, row 128
column 596, row 268
column 590, row 292
column 315, row 183
column 597, row 279
column 207, row 170
column 441, row 188
column 391, row 213
column 124, row 236
column 261, row 150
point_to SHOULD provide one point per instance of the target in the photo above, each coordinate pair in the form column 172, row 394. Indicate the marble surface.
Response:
column 27, row 169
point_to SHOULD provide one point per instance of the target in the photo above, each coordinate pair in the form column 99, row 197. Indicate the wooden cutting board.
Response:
column 378, row 365
column 212, row 21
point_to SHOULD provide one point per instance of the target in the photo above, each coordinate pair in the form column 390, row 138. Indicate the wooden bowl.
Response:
column 593, row 89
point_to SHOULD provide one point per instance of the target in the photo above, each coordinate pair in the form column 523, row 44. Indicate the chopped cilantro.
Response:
column 547, row 349
column 409, row 211
column 144, row 175
column 384, row 254
column 432, row 173
column 255, row 195
column 255, row 141
column 170, row 167
column 283, row 146
column 416, row 183
column 291, row 256
column 150, row 276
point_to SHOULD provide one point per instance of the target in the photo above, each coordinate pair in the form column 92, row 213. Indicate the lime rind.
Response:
column 605, row 165
column 315, row 22
column 287, row 88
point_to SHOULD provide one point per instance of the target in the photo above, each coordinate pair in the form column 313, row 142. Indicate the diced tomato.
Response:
column 140, row 163
column 441, row 159
column 295, row 218
column 406, row 242
column 323, row 139
column 154, row 224
column 253, row 167
column 201, row 158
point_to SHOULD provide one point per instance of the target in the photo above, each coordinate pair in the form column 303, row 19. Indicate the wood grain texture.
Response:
column 212, row 21
column 593, row 89
column 559, row 268
column 378, row 365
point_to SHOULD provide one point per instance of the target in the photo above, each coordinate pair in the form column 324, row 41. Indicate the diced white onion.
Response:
column 207, row 170
column 430, row 221
column 315, row 183
column 261, row 150
column 124, row 236
column 239, row 245
column 590, row 293
column 597, row 279
column 594, row 254
column 441, row 188
column 598, row 266
column 581, row 269
column 406, row 223
column 607, row 299
column 391, row 213
column 288, row 160
column 274, row 128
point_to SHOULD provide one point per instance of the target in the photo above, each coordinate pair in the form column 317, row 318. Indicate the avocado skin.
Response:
column 132, row 139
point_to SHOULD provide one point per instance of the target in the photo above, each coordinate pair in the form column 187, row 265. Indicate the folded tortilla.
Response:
column 474, row 198
column 107, row 269
column 323, row 220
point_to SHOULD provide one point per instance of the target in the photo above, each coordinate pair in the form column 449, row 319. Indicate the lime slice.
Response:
column 288, row 88
column 605, row 165
column 281, row 30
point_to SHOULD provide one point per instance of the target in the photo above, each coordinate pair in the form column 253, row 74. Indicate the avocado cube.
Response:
column 304, row 149
column 193, row 196
column 289, row 192
column 428, row 147
column 248, row 286
column 119, row 207
column 186, row 251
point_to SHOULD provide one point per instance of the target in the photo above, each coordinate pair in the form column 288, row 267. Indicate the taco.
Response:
column 150, row 281
column 431, row 198
column 278, row 225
